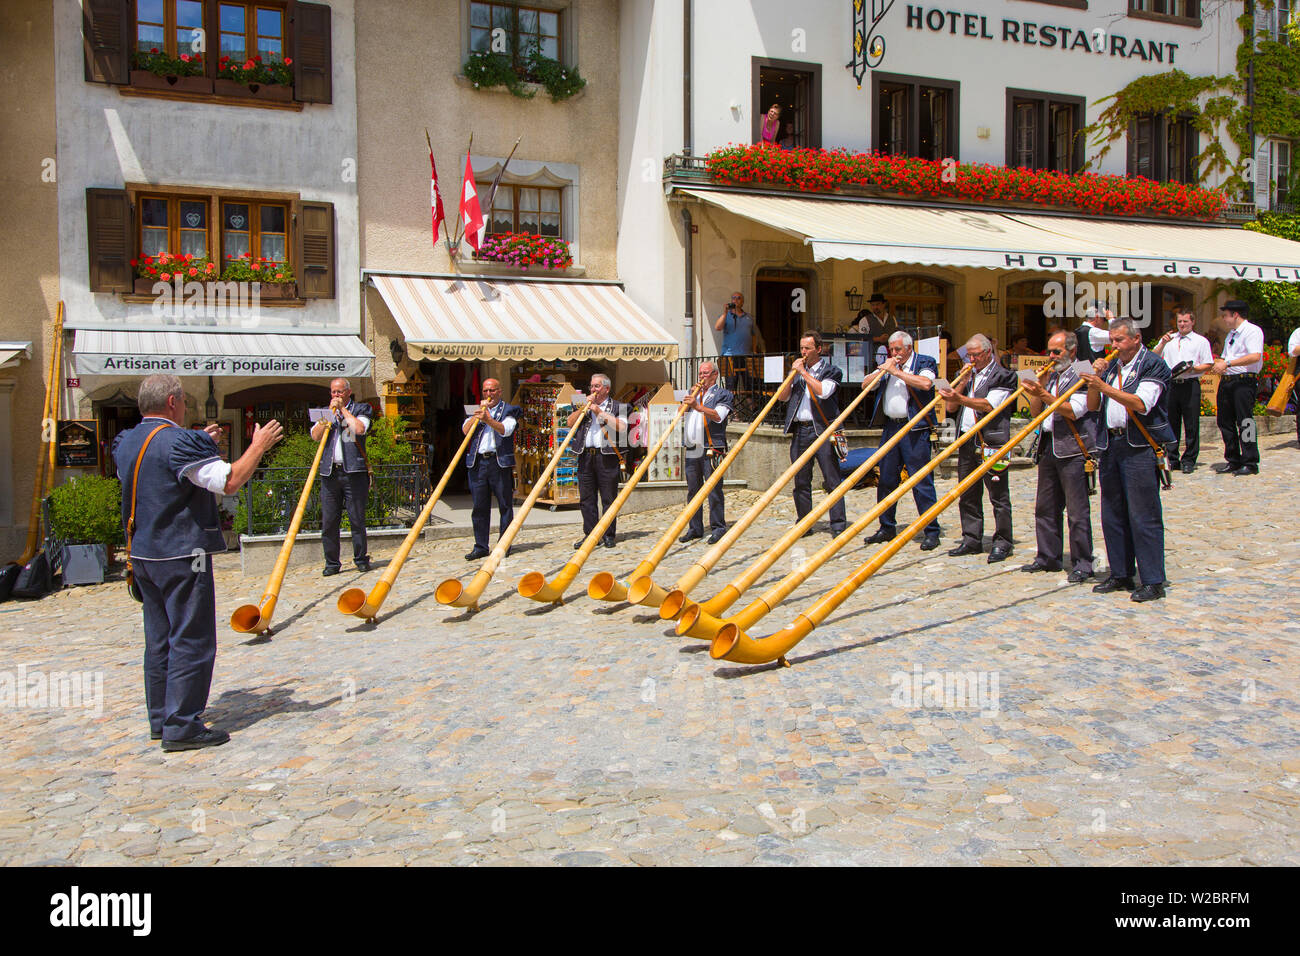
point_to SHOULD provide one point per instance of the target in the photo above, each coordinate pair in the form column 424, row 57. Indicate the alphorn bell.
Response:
column 696, row 621
column 454, row 594
column 603, row 586
column 45, row 475
column 354, row 600
column 534, row 584
column 644, row 591
column 256, row 618
column 718, row 604
column 733, row 644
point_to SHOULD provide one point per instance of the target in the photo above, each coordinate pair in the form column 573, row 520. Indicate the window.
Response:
column 1043, row 131
column 259, row 230
column 173, row 225
column 1171, row 9
column 915, row 301
column 915, row 116
column 797, row 89
column 251, row 30
column 170, row 26
column 516, row 30
column 1281, row 196
column 532, row 209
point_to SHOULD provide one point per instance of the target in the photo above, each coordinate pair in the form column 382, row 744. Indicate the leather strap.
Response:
column 135, row 484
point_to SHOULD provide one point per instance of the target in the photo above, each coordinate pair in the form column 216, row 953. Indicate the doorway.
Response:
column 113, row 416
column 782, row 308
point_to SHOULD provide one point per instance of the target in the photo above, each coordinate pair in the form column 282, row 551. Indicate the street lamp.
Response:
column 989, row 302
column 210, row 406
column 855, row 300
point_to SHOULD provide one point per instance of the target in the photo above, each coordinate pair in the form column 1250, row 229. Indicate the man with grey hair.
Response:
column 170, row 475
column 344, row 476
column 596, row 437
column 704, row 443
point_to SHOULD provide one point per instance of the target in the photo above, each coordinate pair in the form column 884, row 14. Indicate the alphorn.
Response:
column 695, row 621
column 534, row 585
column 354, row 600
column 603, row 586
column 256, row 618
column 454, row 594
column 644, row 591
column 733, row 644
column 44, row 474
column 718, row 604
column 1277, row 404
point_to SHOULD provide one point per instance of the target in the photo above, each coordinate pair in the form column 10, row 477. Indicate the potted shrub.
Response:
column 269, row 80
column 165, row 267
column 86, row 517
column 276, row 279
column 155, row 70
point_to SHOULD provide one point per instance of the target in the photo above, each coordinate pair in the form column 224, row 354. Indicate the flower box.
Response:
column 275, row 92
column 278, row 290
column 143, row 79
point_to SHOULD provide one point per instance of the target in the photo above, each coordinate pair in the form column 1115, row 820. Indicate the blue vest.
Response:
column 1149, row 368
column 997, row 432
column 921, row 362
column 505, row 443
column 583, row 424
column 1063, row 443
column 174, row 518
column 830, row 406
column 354, row 446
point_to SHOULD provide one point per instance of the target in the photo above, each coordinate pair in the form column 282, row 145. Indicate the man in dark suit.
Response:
column 704, row 443
column 990, row 385
column 490, row 462
column 344, row 476
column 596, row 438
column 811, row 405
column 910, row 384
column 177, row 530
column 1132, row 387
column 1068, row 442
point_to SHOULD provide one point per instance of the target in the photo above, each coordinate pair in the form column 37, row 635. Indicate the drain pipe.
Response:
column 688, row 139
column 688, row 317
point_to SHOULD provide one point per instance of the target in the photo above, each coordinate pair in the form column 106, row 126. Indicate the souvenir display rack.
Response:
column 404, row 399
column 659, row 410
column 544, row 424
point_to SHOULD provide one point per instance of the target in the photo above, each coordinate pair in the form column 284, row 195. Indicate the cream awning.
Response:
column 11, row 353
column 268, row 354
column 476, row 318
column 927, row 235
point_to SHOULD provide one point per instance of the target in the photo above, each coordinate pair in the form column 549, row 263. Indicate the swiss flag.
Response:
column 471, row 215
column 435, row 200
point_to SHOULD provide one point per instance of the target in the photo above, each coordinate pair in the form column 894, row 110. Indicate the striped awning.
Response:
column 517, row 320
column 264, row 355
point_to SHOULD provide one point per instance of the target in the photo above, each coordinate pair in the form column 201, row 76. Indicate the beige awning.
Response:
column 929, row 235
column 266, row 354
column 12, row 353
column 480, row 319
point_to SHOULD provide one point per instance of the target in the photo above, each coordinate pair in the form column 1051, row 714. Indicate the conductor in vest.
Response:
column 177, row 530
column 344, row 476
column 490, row 463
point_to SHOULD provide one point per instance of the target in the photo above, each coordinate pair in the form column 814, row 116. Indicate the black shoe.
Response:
column 1245, row 470
column 716, row 537
column 690, row 536
column 1078, row 577
column 1222, row 468
column 1113, row 584
column 930, row 543
column 999, row 554
column 363, row 566
column 330, row 570
column 964, row 549
column 476, row 554
column 607, row 542
column 881, row 536
column 155, row 735
column 1188, row 467
column 1173, row 464
column 204, row 738
column 1034, row 567
column 1148, row 592
column 577, row 545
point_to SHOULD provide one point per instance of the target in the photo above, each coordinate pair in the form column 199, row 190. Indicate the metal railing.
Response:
column 267, row 502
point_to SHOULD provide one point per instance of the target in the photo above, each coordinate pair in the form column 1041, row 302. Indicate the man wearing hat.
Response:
column 1239, row 366
column 876, row 320
column 1093, row 336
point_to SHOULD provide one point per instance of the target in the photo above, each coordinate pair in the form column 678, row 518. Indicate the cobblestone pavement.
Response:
column 1106, row 732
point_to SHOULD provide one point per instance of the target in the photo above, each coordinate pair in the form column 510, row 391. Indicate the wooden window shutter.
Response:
column 316, row 250
column 110, row 240
column 104, row 40
column 312, row 58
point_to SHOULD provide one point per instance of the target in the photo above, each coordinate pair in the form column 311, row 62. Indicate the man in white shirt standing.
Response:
column 1293, row 350
column 344, row 476
column 1188, row 356
column 704, row 443
column 490, row 462
column 1242, row 359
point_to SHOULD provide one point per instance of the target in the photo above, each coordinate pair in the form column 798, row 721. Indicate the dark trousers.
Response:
column 1185, row 412
column 180, row 642
column 972, row 500
column 804, row 435
column 1132, row 521
column 1062, row 484
column 337, row 489
column 597, row 474
column 488, row 480
column 699, row 467
column 914, row 452
column 1236, row 420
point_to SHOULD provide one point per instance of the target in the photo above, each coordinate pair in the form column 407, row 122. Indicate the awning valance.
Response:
column 516, row 320
column 11, row 353
column 241, row 354
column 928, row 235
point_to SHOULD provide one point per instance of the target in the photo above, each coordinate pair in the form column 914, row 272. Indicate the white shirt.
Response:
column 596, row 436
column 211, row 475
column 995, row 397
column 1245, row 339
column 1192, row 348
column 338, row 435
column 896, row 389
column 695, row 425
column 488, row 443
column 1078, row 402
column 1098, row 338
column 1149, row 392
column 1294, row 342
column 805, row 413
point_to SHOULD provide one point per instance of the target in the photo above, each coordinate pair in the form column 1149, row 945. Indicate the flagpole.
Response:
column 492, row 194
column 445, row 236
